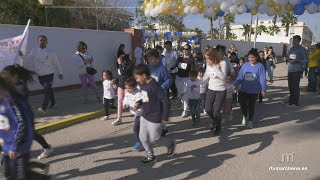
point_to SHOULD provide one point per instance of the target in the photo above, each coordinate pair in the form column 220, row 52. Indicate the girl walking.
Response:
column 109, row 86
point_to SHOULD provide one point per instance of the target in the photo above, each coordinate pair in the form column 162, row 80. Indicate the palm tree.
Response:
column 198, row 31
column 233, row 36
column 289, row 19
column 214, row 34
column 228, row 19
column 246, row 31
column 262, row 29
column 274, row 29
column 211, row 19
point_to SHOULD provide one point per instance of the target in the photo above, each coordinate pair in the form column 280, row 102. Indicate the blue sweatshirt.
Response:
column 252, row 79
column 15, row 130
column 157, row 108
column 161, row 74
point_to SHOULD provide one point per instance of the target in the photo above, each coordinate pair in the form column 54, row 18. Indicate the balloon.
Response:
column 242, row 9
column 225, row 5
column 186, row 2
column 147, row 12
column 236, row 2
column 174, row 5
column 217, row 9
column 263, row 9
column 209, row 12
column 259, row 2
column 251, row 4
column 149, row 6
column 298, row 9
column 254, row 11
column 164, row 6
column 305, row 2
column 233, row 9
column 289, row 7
column 316, row 2
column 221, row 13
column 312, row 8
column 271, row 12
column 194, row 10
column 270, row 3
column 294, row 2
column 277, row 7
column 187, row 9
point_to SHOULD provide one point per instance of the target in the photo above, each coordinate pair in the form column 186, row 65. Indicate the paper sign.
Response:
column 4, row 123
column 293, row 56
column 183, row 66
column 119, row 72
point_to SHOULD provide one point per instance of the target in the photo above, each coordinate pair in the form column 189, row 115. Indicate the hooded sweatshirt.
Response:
column 161, row 74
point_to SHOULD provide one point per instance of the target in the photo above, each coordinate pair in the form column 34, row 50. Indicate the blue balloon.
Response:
column 298, row 9
column 305, row 2
column 316, row 2
column 221, row 13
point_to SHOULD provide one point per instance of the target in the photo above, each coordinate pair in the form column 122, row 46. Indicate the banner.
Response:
column 10, row 48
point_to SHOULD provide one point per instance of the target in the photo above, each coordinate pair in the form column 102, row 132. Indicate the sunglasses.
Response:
column 186, row 49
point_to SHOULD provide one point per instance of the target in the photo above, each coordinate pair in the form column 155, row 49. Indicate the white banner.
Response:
column 10, row 48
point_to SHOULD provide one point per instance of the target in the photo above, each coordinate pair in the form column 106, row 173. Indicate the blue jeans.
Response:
column 46, row 81
column 312, row 78
column 269, row 69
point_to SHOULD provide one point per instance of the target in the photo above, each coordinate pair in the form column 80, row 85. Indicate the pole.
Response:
column 256, row 32
column 97, row 20
column 46, row 14
column 250, row 28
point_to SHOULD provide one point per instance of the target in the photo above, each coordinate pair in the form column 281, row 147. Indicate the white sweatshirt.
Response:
column 130, row 99
column 43, row 61
column 217, row 76
column 108, row 89
column 81, row 67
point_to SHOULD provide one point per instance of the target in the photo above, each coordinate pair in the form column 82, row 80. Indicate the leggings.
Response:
column 248, row 104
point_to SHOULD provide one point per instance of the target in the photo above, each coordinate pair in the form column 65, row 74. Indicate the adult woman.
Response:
column 83, row 59
column 216, row 73
column 185, row 64
column 125, row 70
column 120, row 50
column 252, row 79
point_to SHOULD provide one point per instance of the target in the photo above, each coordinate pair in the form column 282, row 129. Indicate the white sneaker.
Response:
column 244, row 120
column 205, row 112
column 42, row 111
column 117, row 122
column 184, row 114
column 105, row 118
column 46, row 153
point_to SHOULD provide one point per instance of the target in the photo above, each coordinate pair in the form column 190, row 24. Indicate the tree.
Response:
column 233, row 36
column 262, row 29
column 246, row 31
column 289, row 19
column 274, row 29
column 174, row 23
column 211, row 19
column 228, row 19
column 214, row 34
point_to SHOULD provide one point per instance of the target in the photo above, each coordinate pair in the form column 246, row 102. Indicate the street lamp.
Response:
column 46, row 3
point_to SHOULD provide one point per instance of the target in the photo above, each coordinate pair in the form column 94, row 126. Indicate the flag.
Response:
column 10, row 48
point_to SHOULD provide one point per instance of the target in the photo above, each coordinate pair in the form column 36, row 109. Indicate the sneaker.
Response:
column 172, row 148
column 46, row 153
column 212, row 126
column 118, row 121
column 164, row 132
column 52, row 106
column 244, row 121
column 137, row 146
column 291, row 105
column 184, row 114
column 249, row 125
column 42, row 111
column 105, row 118
column 205, row 112
column 149, row 160
column 270, row 81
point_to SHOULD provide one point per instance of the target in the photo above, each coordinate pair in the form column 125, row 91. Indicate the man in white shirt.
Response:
column 45, row 63
column 171, row 57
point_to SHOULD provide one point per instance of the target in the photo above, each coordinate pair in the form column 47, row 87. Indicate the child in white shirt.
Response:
column 203, row 88
column 109, row 87
column 191, row 91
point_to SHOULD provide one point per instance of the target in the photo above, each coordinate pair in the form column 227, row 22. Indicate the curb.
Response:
column 64, row 123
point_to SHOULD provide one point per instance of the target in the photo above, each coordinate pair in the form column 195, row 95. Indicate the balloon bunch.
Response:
column 212, row 8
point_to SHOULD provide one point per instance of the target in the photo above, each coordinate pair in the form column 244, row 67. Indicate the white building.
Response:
column 298, row 29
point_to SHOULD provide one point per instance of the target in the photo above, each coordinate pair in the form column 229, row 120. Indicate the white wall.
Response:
column 103, row 45
column 243, row 46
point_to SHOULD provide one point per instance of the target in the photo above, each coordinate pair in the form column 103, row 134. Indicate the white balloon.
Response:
column 294, row 2
column 263, row 9
column 242, row 9
column 221, row 1
column 225, row 5
column 209, row 12
column 186, row 2
column 236, row 2
column 152, row 13
column 147, row 12
column 233, row 9
column 194, row 10
column 271, row 12
column 312, row 8
column 251, row 4
column 164, row 6
column 187, row 9
column 158, row 9
column 149, row 6
column 174, row 5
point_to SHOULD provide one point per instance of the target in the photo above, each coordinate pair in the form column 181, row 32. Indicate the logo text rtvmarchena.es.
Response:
column 287, row 157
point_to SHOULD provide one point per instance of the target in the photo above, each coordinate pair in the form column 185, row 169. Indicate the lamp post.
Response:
column 46, row 3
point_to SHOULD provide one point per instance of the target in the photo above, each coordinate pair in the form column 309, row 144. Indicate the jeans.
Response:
column 203, row 100
column 294, row 87
column 312, row 78
column 173, row 87
column 214, row 102
column 39, row 138
column 248, row 104
column 46, row 81
column 84, row 78
column 108, row 104
column 194, row 105
column 179, row 83
column 136, row 127
column 269, row 70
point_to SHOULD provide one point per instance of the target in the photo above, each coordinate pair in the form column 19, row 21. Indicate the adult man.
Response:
column 44, row 62
column 171, row 56
column 297, row 59
column 313, row 65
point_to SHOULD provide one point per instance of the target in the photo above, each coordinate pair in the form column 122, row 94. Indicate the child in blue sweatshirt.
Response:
column 16, row 133
column 154, row 111
column 251, row 80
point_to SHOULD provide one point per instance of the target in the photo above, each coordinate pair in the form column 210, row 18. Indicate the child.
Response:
column 17, row 134
column 109, row 88
column 132, row 96
column 155, row 110
column 192, row 92
column 203, row 89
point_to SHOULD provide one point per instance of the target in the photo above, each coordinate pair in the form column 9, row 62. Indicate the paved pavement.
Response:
column 97, row 150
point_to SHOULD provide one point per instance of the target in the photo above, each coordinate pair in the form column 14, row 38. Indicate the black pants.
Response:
column 39, row 138
column 18, row 168
column 248, row 104
column 108, row 104
column 47, row 81
column 214, row 102
column 173, row 87
column 203, row 100
column 194, row 105
column 294, row 87
column 136, row 127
